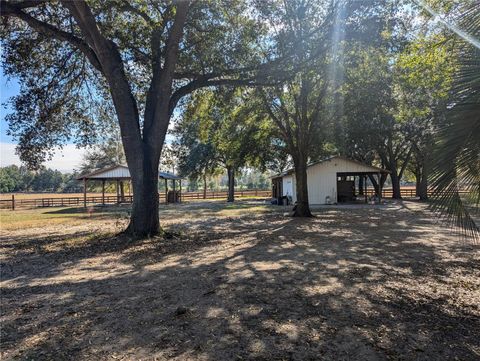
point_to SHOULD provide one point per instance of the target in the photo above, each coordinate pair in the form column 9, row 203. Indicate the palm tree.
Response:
column 456, row 170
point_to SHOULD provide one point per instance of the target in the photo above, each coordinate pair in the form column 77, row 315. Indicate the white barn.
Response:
column 329, row 181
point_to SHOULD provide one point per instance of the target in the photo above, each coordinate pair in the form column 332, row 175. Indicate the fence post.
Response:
column 13, row 202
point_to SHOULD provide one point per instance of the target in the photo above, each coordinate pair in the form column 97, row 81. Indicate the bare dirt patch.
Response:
column 244, row 283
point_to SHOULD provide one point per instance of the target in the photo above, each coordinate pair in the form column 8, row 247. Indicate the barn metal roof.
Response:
column 120, row 171
column 373, row 168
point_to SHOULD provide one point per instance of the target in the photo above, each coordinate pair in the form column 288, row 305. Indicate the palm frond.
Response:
column 455, row 175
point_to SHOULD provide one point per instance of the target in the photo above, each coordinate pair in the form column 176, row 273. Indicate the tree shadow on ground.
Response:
column 345, row 285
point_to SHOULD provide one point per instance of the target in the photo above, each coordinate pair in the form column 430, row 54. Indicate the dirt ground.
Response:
column 243, row 282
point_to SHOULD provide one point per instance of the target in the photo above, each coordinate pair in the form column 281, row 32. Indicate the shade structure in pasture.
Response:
column 120, row 174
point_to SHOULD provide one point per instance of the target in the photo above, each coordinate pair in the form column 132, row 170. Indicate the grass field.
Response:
column 238, row 282
column 41, row 217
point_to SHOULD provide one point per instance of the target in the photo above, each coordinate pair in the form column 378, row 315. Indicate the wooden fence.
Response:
column 185, row 196
column 79, row 200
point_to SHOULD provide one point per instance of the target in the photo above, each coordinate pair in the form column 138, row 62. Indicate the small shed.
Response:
column 329, row 181
column 120, row 174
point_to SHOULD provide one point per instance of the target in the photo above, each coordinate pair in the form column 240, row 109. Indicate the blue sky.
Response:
column 8, row 88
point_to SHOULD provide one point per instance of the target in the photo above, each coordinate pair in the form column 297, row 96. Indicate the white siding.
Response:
column 118, row 172
column 322, row 183
column 287, row 185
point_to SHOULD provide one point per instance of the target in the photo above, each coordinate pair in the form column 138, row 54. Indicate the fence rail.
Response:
column 185, row 196
column 79, row 200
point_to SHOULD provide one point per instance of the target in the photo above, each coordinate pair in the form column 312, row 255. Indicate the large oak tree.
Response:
column 143, row 55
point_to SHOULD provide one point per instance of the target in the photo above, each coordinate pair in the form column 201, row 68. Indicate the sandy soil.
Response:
column 384, row 283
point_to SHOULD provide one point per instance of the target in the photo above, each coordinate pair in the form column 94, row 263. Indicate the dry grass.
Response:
column 22, row 219
column 242, row 282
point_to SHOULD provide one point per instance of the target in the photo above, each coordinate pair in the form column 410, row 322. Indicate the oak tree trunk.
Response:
column 231, row 184
column 376, row 184
column 396, row 194
column 418, row 176
column 302, row 208
column 144, row 220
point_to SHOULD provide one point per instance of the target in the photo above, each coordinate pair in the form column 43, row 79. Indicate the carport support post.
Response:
column 85, row 192
column 380, row 191
column 174, row 193
column 180, row 195
column 103, row 191
column 116, row 189
column 365, row 188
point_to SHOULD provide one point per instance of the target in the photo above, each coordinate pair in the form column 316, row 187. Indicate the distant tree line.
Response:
column 246, row 179
column 20, row 179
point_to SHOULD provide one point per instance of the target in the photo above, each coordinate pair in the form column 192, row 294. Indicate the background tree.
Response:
column 297, row 108
column 223, row 128
column 20, row 179
column 103, row 155
column 366, row 123
column 425, row 70
column 197, row 158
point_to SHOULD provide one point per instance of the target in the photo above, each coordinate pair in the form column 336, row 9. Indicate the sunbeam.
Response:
column 452, row 27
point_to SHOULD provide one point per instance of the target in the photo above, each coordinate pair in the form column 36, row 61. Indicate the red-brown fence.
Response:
column 79, row 200
column 185, row 196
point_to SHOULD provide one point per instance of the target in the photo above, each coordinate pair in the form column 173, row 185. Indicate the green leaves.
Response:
column 222, row 128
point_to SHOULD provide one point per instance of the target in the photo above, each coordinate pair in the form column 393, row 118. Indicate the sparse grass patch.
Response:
column 39, row 217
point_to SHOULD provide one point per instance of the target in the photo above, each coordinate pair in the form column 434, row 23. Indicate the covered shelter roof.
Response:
column 366, row 169
column 166, row 175
column 119, row 172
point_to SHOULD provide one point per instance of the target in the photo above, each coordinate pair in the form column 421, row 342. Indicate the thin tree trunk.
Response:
column 122, row 192
column 418, row 177
column 205, row 185
column 421, row 174
column 360, row 186
column 423, row 185
column 231, row 184
column 302, row 208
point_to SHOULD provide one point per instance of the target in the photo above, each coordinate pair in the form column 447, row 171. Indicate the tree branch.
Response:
column 130, row 8
column 12, row 10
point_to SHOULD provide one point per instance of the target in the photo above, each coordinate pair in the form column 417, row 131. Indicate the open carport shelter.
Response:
column 121, row 174
column 331, row 180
